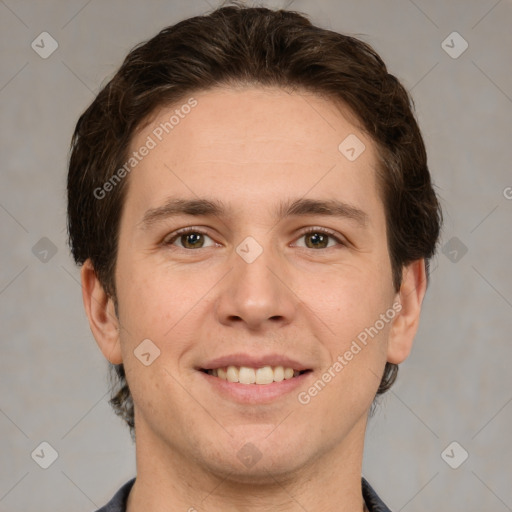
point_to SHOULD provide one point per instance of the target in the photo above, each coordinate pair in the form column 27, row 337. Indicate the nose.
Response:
column 256, row 294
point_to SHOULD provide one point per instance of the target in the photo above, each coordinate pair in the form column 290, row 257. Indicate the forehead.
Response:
column 268, row 141
column 244, row 120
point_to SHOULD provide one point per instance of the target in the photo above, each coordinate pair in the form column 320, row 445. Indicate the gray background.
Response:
column 456, row 386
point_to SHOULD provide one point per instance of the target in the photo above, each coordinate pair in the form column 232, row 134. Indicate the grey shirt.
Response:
column 118, row 502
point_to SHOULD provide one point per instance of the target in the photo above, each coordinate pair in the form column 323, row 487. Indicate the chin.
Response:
column 267, row 471
column 256, row 455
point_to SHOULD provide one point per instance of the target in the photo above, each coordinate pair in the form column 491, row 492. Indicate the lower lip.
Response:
column 255, row 393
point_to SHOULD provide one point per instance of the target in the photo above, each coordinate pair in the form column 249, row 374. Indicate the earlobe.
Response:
column 405, row 324
column 100, row 311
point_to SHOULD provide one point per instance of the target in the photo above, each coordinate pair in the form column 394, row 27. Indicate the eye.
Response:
column 320, row 238
column 189, row 238
column 193, row 238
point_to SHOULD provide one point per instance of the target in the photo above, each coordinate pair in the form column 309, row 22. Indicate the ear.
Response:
column 405, row 324
column 101, row 314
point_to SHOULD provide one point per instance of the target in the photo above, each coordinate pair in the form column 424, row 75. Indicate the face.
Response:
column 249, row 240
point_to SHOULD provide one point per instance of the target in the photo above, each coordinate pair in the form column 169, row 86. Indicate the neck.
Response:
column 168, row 478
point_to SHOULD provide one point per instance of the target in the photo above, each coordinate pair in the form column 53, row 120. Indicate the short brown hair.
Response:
column 237, row 45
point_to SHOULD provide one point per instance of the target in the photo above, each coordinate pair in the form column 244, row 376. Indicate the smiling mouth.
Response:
column 247, row 375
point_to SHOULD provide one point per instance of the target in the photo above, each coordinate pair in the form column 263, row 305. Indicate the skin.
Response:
column 252, row 148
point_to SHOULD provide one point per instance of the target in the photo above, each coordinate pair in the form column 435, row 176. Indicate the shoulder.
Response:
column 372, row 500
column 118, row 502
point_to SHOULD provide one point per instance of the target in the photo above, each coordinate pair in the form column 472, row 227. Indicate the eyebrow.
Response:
column 300, row 207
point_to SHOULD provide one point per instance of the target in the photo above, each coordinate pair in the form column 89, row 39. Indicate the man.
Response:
column 251, row 205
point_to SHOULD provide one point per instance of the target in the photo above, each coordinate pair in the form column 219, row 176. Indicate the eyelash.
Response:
column 174, row 236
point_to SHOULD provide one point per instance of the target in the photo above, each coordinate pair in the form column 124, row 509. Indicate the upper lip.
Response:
column 254, row 361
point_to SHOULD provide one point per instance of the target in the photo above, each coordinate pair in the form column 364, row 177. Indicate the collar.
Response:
column 118, row 502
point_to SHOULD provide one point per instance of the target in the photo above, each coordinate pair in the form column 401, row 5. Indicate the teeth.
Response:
column 278, row 373
column 246, row 375
column 232, row 374
column 264, row 375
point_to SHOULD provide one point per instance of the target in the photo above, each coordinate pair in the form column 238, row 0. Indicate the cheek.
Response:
column 163, row 306
column 151, row 301
column 347, row 310
column 346, row 300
